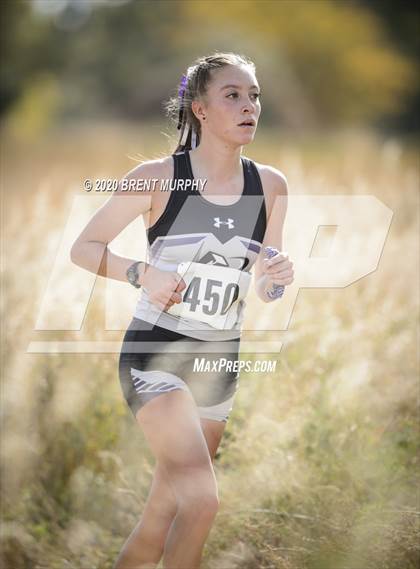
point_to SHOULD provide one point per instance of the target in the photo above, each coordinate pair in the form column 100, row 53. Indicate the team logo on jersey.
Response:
column 218, row 222
column 212, row 258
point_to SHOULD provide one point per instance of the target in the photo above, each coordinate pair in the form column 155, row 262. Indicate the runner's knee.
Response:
column 201, row 504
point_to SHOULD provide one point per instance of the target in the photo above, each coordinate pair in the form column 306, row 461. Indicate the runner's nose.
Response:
column 249, row 106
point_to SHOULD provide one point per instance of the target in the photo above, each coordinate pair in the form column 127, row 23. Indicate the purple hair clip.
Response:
column 181, row 91
column 182, row 85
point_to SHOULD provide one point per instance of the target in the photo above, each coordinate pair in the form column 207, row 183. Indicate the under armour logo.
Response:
column 218, row 223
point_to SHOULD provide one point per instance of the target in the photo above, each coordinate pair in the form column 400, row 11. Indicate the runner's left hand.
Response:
column 278, row 269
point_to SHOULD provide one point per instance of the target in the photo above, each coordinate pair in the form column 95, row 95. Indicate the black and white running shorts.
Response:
column 154, row 360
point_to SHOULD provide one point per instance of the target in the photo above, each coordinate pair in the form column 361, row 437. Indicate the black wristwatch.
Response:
column 133, row 274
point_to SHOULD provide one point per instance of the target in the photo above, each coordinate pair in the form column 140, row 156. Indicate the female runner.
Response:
column 201, row 246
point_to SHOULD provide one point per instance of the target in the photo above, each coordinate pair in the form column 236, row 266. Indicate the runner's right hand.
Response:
column 163, row 287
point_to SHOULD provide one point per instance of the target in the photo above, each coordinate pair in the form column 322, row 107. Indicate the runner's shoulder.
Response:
column 273, row 180
column 156, row 169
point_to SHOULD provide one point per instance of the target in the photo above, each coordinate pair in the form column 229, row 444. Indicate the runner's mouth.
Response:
column 249, row 123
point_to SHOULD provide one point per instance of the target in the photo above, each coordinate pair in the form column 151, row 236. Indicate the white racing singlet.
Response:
column 213, row 248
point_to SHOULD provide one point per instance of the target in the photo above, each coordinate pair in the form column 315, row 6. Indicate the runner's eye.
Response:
column 256, row 95
column 230, row 94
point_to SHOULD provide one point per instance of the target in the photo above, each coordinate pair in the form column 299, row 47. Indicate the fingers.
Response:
column 280, row 269
column 287, row 280
column 176, row 298
column 168, row 291
column 168, row 305
column 279, row 258
column 180, row 283
column 163, row 307
column 277, row 265
column 284, row 274
column 164, row 303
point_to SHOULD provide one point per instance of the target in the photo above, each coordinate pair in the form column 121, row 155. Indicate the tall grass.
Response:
column 318, row 468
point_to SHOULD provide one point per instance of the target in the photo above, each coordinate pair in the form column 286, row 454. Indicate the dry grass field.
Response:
column 319, row 466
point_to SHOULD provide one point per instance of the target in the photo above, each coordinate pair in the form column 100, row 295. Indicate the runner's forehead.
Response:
column 234, row 77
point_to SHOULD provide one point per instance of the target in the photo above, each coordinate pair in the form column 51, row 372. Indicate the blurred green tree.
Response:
column 320, row 63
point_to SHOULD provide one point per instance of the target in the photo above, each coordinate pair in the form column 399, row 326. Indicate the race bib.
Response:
column 212, row 294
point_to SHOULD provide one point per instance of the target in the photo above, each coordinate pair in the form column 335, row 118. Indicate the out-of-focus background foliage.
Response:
column 320, row 63
column 319, row 465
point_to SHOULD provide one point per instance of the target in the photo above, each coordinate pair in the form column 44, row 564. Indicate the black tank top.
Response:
column 193, row 228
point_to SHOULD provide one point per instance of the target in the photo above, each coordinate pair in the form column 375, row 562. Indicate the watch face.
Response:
column 132, row 274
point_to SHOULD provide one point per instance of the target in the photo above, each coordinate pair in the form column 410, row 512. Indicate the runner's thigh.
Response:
column 172, row 428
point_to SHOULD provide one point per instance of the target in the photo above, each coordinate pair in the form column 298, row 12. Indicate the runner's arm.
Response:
column 91, row 249
column 278, row 189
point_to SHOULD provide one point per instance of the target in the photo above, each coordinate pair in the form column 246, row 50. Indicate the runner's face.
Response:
column 232, row 98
